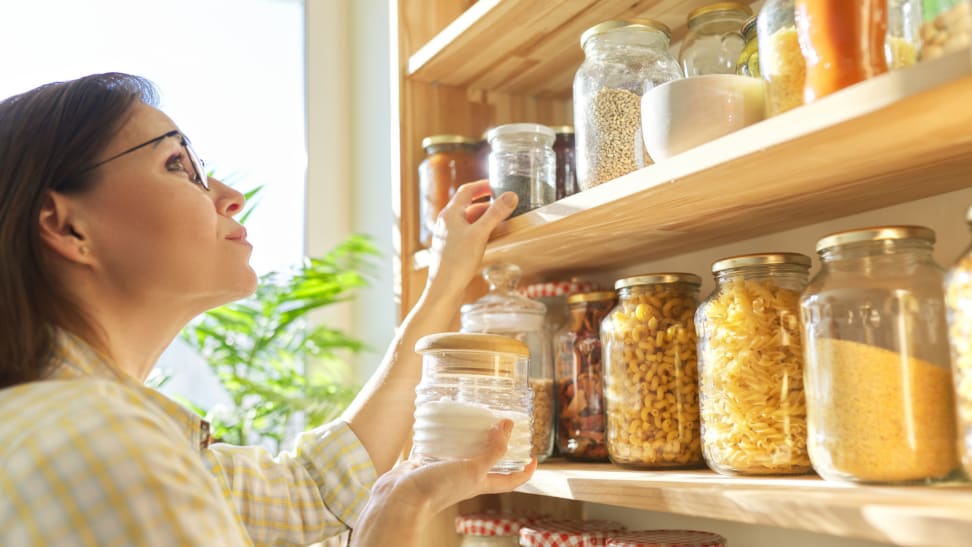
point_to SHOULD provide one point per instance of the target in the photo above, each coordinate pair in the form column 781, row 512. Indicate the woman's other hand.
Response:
column 405, row 499
column 461, row 232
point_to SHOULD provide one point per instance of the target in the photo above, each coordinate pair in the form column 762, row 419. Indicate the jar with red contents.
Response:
column 666, row 538
column 449, row 163
column 572, row 533
column 491, row 529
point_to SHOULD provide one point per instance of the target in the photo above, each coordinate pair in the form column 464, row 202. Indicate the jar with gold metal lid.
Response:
column 714, row 40
column 580, row 378
column 469, row 383
column 878, row 379
column 754, row 411
column 449, row 163
column 651, row 372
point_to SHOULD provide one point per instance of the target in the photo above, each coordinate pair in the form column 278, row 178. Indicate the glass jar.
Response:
column 651, row 372
column 504, row 312
column 469, row 383
column 958, row 307
column 666, row 538
column 781, row 62
column 450, row 162
column 622, row 60
column 903, row 43
column 490, row 529
column 569, row 533
column 877, row 379
column 946, row 27
column 522, row 160
column 842, row 43
column 482, row 156
column 748, row 62
column 754, row 411
column 563, row 148
column 714, row 40
column 580, row 378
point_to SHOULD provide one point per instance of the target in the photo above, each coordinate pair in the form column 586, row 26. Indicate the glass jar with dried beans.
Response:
column 880, row 402
column 623, row 59
column 958, row 307
column 754, row 412
column 947, row 27
column 651, row 372
column 450, row 162
column 580, row 378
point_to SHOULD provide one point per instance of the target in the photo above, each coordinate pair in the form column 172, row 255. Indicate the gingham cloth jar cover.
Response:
column 557, row 288
column 570, row 533
column 492, row 524
column 666, row 538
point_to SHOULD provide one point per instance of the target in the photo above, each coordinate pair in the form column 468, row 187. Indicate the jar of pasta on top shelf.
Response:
column 781, row 63
column 946, row 27
column 623, row 59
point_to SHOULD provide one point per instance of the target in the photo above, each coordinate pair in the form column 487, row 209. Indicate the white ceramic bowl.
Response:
column 682, row 114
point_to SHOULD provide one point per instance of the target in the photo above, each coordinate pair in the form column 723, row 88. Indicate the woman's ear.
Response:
column 62, row 231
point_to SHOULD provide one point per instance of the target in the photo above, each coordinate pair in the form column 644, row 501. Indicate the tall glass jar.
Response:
column 947, row 26
column 504, row 312
column 469, row 383
column 522, row 160
column 563, row 148
column 781, row 62
column 754, row 411
column 842, row 43
column 651, row 372
column 623, row 59
column 748, row 62
column 714, row 40
column 450, row 162
column 878, row 382
column 903, row 43
column 958, row 307
column 580, row 378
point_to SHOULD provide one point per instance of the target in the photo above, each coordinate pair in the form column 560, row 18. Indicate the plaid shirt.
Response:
column 89, row 456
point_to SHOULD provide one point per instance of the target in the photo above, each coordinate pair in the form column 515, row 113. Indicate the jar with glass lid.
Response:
column 450, row 162
column 878, row 380
column 522, row 161
column 580, row 378
column 781, row 62
column 748, row 62
column 469, row 383
column 754, row 411
column 622, row 60
column 503, row 311
column 958, row 308
column 714, row 40
column 491, row 529
column 651, row 372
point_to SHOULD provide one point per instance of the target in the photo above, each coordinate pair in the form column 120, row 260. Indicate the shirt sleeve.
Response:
column 115, row 474
column 300, row 497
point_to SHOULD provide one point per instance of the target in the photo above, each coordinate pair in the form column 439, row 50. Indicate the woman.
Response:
column 111, row 239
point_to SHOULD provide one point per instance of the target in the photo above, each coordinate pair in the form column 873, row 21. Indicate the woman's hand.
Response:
column 461, row 232
column 406, row 498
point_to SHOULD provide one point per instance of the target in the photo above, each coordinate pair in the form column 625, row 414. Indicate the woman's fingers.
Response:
column 465, row 195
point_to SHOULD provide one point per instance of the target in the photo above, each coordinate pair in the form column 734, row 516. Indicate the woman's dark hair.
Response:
column 48, row 137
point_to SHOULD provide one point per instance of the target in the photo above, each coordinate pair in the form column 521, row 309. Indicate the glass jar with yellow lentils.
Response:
column 754, row 411
column 651, row 372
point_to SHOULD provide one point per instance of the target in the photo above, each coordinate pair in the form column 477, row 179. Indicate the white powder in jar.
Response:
column 449, row 430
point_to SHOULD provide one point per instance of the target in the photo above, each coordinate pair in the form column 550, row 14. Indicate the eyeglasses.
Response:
column 198, row 166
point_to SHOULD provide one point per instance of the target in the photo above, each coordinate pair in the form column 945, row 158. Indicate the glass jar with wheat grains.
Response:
column 878, row 380
column 754, row 412
column 651, row 372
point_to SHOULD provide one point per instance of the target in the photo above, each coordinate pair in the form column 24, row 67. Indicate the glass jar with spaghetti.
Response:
column 651, row 372
column 754, row 412
column 878, row 382
column 580, row 378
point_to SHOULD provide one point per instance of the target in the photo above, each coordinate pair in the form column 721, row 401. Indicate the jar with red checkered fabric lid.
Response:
column 569, row 533
column 666, row 538
column 491, row 529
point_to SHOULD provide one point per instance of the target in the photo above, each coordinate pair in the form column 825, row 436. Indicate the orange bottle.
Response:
column 842, row 42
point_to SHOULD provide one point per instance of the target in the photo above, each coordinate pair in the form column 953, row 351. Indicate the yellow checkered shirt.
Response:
column 90, row 456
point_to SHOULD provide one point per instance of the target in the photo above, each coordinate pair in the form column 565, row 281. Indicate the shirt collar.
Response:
column 73, row 358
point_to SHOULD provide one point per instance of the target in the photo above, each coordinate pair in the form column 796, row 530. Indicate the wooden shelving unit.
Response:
column 466, row 66
column 940, row 516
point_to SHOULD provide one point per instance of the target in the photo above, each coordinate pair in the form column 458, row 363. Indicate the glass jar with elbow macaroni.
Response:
column 754, row 412
column 878, row 381
column 651, row 372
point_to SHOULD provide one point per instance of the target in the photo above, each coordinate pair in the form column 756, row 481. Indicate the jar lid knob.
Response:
column 502, row 277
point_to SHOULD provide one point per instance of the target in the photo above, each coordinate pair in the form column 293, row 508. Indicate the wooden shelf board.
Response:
column 940, row 516
column 527, row 47
column 896, row 138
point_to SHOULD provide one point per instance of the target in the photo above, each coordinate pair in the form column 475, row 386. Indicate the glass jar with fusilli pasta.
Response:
column 754, row 412
column 651, row 372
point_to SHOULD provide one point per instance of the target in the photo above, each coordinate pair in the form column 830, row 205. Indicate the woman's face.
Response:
column 155, row 233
